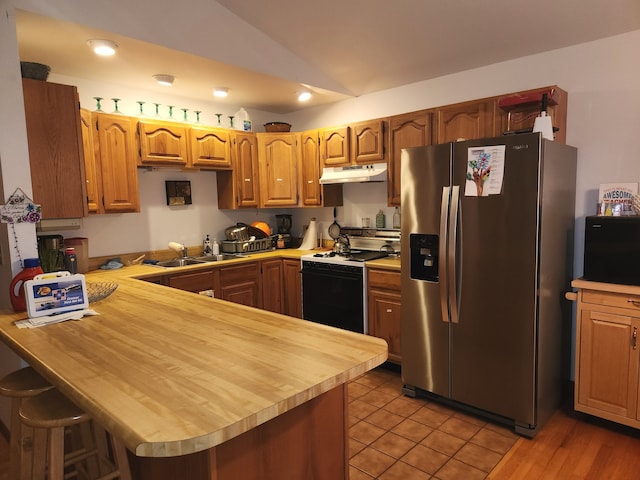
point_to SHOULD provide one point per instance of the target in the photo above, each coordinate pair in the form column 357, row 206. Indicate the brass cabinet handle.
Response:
column 636, row 303
column 635, row 338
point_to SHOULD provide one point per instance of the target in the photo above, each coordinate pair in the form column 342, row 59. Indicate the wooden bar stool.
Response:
column 19, row 385
column 49, row 413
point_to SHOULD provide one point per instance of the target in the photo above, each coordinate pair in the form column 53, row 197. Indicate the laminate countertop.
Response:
column 172, row 372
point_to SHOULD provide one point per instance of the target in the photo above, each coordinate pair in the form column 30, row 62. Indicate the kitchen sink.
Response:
column 184, row 261
column 180, row 262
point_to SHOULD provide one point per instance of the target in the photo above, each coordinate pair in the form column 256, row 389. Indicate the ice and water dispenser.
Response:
column 424, row 256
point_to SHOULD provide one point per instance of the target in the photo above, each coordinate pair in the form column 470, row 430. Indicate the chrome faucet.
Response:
column 179, row 248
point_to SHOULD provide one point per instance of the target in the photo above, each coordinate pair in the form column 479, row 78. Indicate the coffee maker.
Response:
column 283, row 223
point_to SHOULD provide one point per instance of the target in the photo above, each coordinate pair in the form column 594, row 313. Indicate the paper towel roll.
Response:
column 310, row 239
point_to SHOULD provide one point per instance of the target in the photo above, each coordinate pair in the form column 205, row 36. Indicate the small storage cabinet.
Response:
column 384, row 308
column 608, row 351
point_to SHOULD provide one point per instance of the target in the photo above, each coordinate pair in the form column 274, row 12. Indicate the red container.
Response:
column 16, row 290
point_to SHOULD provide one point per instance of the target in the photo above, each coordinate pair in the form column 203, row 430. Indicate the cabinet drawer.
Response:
column 386, row 279
column 612, row 299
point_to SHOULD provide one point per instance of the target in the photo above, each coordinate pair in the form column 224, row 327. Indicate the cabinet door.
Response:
column 607, row 373
column 162, row 143
column 292, row 290
column 368, row 142
column 384, row 320
column 117, row 160
column 334, row 147
column 310, row 169
column 271, row 285
column 91, row 167
column 278, row 160
column 384, row 308
column 240, row 284
column 405, row 131
column 210, row 147
column 56, row 152
column 193, row 282
column 465, row 121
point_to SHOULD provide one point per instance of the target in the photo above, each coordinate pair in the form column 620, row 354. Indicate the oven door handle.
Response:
column 333, row 275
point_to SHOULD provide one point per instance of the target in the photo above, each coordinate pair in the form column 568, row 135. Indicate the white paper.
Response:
column 57, row 318
column 485, row 171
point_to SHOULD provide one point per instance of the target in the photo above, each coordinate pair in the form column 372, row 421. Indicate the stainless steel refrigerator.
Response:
column 487, row 242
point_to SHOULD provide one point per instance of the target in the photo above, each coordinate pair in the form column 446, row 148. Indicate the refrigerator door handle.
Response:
column 444, row 254
column 454, row 261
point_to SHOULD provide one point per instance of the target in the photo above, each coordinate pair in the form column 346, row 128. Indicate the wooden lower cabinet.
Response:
column 197, row 282
column 240, row 283
column 384, row 309
column 272, row 287
column 607, row 352
column 292, row 291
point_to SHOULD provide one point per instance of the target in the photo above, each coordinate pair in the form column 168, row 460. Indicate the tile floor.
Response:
column 397, row 437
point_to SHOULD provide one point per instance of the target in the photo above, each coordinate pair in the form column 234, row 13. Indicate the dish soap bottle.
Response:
column 380, row 219
column 207, row 248
column 396, row 218
column 216, row 247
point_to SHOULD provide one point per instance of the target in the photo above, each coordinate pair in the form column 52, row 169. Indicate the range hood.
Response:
column 376, row 172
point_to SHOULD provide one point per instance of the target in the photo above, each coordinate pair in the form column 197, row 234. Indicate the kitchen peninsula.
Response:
column 201, row 388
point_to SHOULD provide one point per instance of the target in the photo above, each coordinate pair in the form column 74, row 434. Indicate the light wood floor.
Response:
column 572, row 446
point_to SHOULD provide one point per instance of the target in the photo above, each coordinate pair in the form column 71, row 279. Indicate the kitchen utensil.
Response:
column 334, row 228
column 341, row 245
column 237, row 233
column 253, row 231
column 264, row 226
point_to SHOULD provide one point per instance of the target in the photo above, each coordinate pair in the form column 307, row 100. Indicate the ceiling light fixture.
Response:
column 101, row 47
column 220, row 92
column 164, row 79
column 304, row 96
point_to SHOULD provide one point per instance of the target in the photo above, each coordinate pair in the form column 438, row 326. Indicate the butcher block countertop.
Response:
column 171, row 372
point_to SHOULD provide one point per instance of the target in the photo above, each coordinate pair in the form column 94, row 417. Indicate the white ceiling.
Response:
column 264, row 51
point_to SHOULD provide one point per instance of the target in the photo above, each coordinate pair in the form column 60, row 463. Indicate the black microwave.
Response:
column 612, row 249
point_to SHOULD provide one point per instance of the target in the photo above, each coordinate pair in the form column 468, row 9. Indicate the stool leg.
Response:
column 38, row 468
column 56, row 453
column 120, row 458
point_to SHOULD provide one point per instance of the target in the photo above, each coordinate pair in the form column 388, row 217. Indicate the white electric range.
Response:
column 334, row 289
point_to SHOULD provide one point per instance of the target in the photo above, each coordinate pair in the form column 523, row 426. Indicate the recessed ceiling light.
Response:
column 103, row 47
column 164, row 79
column 220, row 92
column 304, row 96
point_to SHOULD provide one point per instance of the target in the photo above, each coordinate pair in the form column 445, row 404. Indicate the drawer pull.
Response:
column 635, row 338
column 636, row 303
column 389, row 310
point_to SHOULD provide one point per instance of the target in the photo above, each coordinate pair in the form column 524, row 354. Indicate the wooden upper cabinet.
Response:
column 117, row 157
column 210, row 147
column 310, row 169
column 278, row 165
column 334, row 147
column 162, row 143
column 518, row 111
column 468, row 121
column 239, row 188
column 56, row 154
column 368, row 142
column 405, row 131
column 92, row 169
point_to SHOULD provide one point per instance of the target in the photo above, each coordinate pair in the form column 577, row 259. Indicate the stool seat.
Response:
column 25, row 382
column 19, row 385
column 51, row 409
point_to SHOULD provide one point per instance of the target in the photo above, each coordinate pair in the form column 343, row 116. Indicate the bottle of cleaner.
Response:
column 380, row 219
column 16, row 289
column 243, row 122
column 207, row 248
